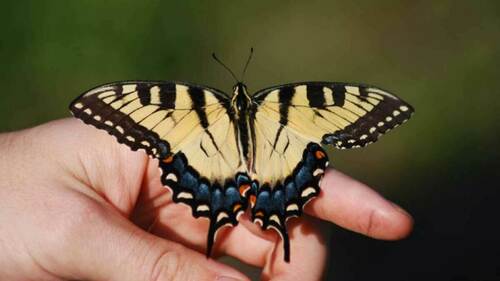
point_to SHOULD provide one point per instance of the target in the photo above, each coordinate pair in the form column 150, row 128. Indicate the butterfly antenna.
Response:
column 246, row 65
column 223, row 65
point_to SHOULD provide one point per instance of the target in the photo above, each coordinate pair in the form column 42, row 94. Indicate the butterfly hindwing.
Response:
column 274, row 204
column 222, row 204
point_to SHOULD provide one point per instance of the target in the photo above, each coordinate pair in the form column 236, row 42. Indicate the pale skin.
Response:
column 75, row 204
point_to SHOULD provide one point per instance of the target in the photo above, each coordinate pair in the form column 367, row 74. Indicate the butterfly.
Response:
column 220, row 154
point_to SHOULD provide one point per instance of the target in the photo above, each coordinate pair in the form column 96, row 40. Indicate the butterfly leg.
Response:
column 273, row 206
column 222, row 205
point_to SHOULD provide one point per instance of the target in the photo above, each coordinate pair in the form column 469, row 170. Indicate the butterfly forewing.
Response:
column 341, row 114
column 141, row 114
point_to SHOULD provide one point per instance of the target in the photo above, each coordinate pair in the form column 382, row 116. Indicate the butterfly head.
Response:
column 241, row 99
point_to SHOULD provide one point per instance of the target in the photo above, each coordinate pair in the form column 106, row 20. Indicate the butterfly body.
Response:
column 221, row 154
column 240, row 104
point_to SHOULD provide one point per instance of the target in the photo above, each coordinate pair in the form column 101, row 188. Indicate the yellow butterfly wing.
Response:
column 189, row 128
column 291, row 121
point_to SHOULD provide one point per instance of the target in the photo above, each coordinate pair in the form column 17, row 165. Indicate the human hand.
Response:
column 74, row 204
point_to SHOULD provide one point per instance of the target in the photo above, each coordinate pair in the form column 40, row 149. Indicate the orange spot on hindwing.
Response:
column 236, row 208
column 169, row 159
column 253, row 199
column 243, row 189
column 319, row 154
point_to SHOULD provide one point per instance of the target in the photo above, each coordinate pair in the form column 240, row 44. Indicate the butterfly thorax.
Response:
column 241, row 100
column 240, row 104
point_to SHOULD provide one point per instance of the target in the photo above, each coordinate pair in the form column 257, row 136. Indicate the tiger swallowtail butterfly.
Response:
column 220, row 153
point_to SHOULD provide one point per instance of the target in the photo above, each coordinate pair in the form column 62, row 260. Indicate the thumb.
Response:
column 106, row 246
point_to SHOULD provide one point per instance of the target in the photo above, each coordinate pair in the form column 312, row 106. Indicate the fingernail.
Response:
column 401, row 210
column 226, row 278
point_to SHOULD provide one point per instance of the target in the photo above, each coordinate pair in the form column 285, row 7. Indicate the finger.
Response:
column 251, row 245
column 246, row 241
column 105, row 246
column 308, row 254
column 158, row 214
column 355, row 206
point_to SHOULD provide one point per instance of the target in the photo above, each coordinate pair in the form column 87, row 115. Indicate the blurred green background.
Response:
column 441, row 56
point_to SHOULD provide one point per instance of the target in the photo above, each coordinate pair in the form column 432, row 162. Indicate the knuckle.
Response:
column 75, row 218
column 372, row 224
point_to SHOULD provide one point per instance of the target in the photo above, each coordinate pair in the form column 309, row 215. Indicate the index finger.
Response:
column 353, row 205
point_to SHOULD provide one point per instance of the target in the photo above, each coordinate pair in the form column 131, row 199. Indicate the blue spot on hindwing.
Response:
column 179, row 163
column 291, row 192
column 278, row 202
column 202, row 193
column 303, row 177
column 189, row 181
column 217, row 199
column 232, row 196
column 263, row 200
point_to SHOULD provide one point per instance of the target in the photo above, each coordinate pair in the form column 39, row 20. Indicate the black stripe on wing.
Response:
column 199, row 103
column 284, row 97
